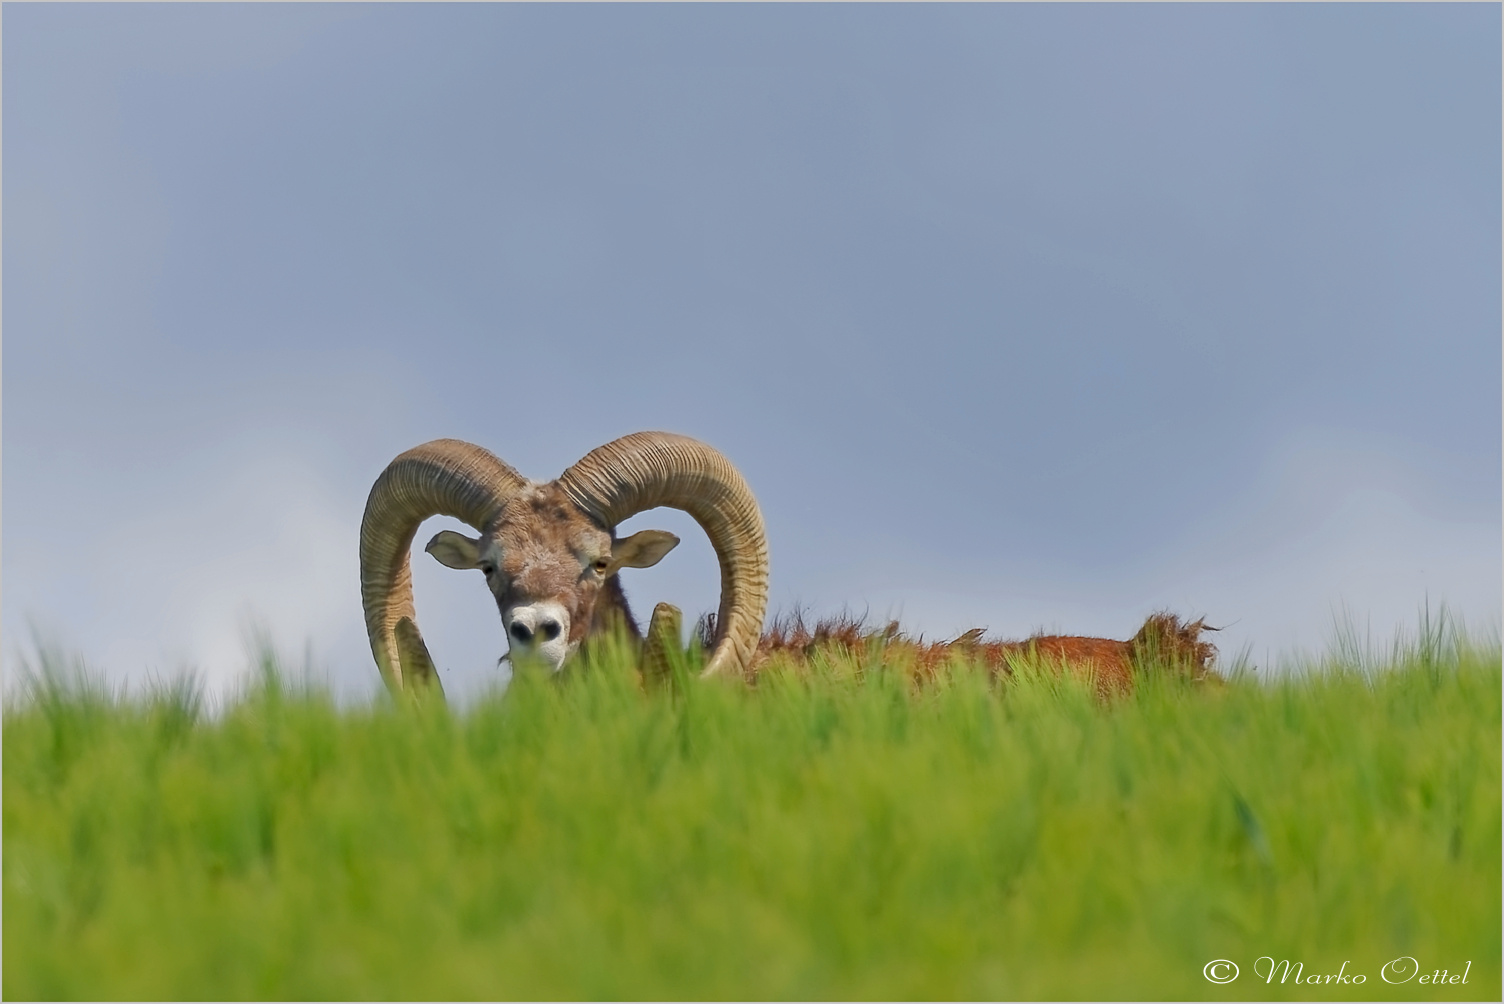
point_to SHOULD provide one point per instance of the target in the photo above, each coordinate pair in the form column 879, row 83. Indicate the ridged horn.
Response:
column 649, row 469
column 446, row 477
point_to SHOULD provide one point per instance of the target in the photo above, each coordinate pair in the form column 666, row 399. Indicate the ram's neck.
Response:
column 611, row 609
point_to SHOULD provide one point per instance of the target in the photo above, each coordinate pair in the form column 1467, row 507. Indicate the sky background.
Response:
column 1024, row 317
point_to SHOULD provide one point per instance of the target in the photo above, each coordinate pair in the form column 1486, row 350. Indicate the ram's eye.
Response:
column 602, row 565
column 487, row 569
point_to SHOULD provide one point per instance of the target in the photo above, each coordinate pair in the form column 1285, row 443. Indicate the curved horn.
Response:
column 446, row 477
column 649, row 469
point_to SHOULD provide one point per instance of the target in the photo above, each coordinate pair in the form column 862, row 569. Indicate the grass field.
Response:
column 830, row 833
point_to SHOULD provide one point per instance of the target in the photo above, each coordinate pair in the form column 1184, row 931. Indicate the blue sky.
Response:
column 1017, row 316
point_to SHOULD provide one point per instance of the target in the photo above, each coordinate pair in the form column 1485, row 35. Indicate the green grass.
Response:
column 830, row 834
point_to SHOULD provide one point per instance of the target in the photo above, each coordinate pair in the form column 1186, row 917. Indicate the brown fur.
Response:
column 547, row 546
column 1163, row 641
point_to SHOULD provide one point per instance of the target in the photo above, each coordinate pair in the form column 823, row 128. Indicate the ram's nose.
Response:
column 538, row 631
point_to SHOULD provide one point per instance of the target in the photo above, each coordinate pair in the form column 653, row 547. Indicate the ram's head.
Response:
column 549, row 551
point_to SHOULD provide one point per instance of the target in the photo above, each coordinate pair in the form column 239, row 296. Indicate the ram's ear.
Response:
column 455, row 549
column 643, row 549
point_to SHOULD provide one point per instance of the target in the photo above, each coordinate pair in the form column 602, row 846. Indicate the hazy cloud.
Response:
column 1026, row 316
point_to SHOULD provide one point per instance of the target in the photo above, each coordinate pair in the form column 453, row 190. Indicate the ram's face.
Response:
column 546, row 562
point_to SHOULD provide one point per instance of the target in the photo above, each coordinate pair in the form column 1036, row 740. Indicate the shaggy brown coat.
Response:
column 1164, row 641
